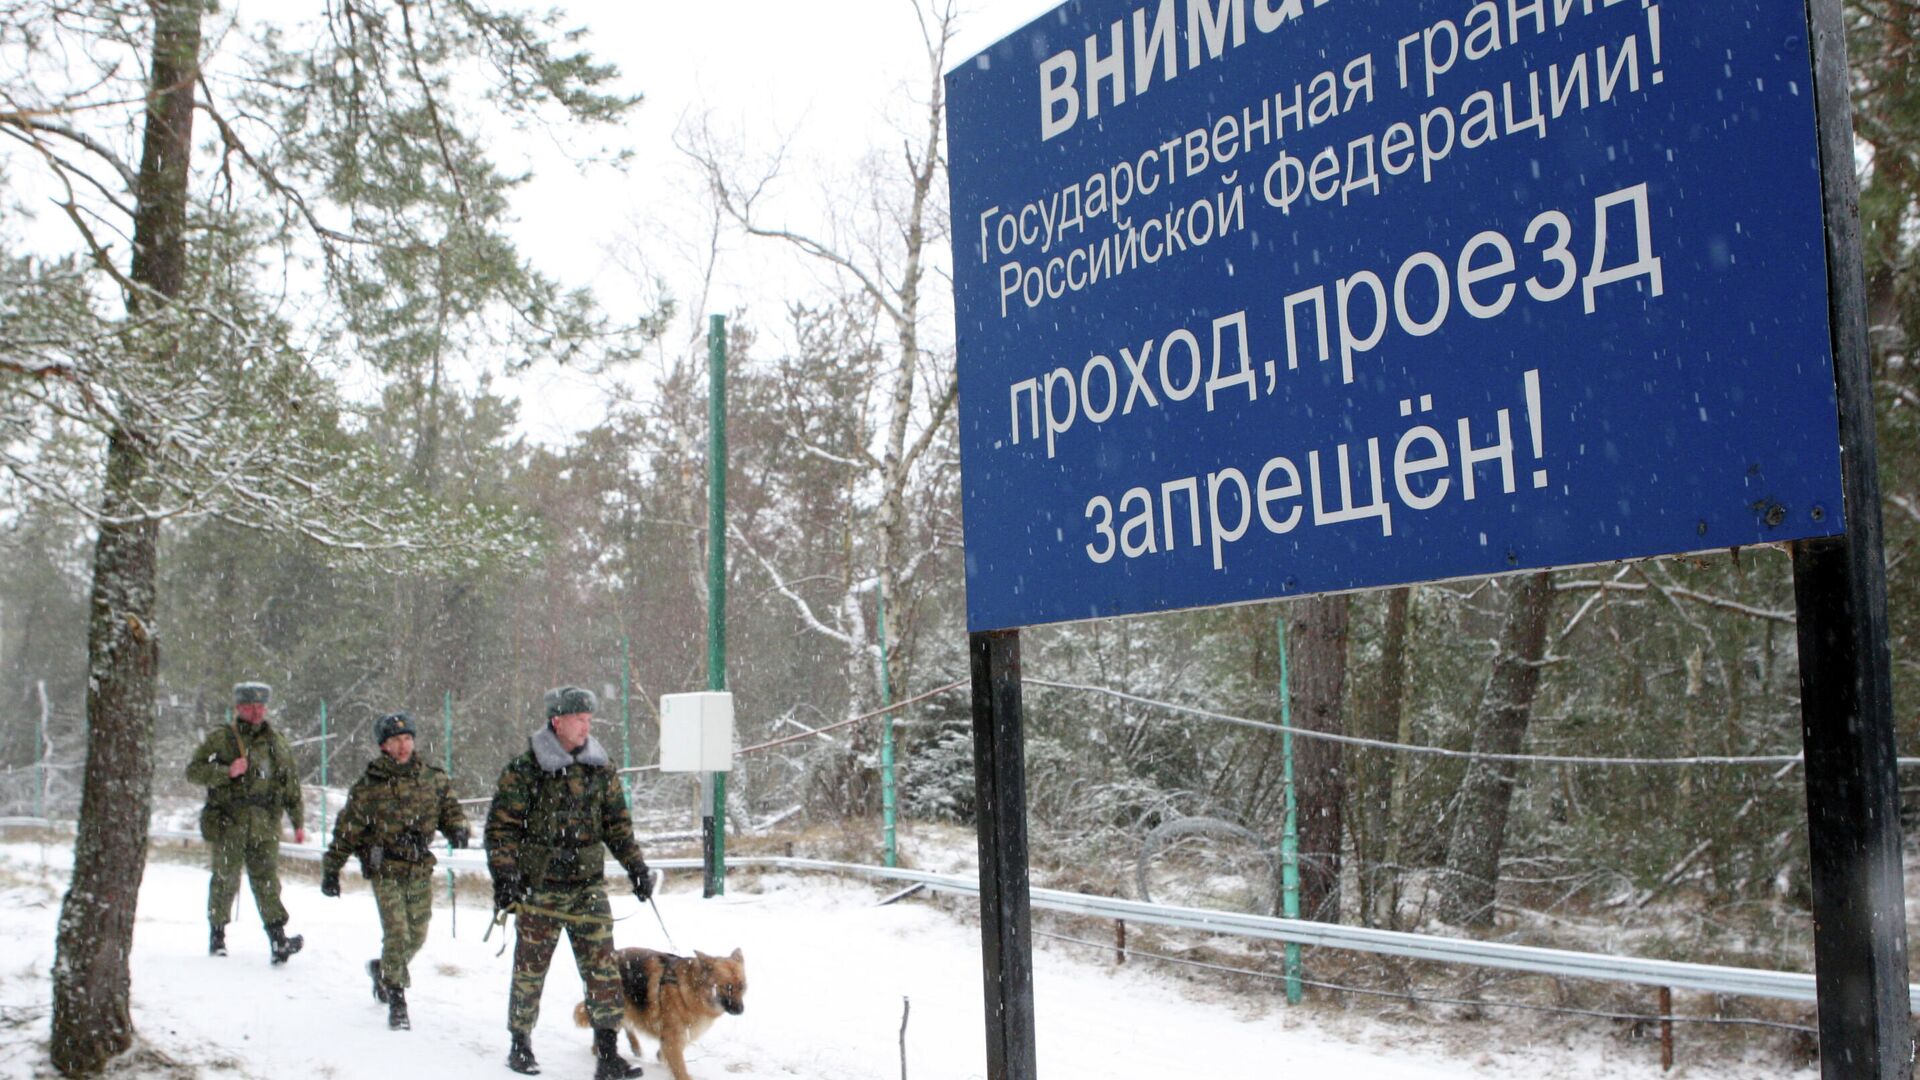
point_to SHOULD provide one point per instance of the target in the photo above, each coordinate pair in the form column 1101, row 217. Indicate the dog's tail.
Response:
column 580, row 1017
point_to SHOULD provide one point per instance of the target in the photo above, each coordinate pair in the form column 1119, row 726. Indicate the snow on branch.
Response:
column 781, row 586
column 1676, row 592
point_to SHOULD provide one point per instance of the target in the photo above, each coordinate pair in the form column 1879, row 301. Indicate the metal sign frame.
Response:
column 1279, row 308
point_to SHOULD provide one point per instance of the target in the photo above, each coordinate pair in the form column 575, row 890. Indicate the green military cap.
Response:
column 567, row 700
column 251, row 693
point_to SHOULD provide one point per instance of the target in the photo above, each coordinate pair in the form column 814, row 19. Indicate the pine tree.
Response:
column 351, row 152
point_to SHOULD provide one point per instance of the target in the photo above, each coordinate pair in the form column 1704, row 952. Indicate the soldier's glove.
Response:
column 642, row 878
column 508, row 890
column 458, row 838
column 330, row 883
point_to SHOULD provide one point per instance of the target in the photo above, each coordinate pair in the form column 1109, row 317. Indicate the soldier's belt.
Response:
column 399, row 868
column 260, row 801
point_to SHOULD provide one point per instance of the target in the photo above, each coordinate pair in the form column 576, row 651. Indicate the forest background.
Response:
column 363, row 302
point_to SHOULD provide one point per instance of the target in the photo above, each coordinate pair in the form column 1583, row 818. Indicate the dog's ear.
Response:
column 703, row 957
column 737, row 958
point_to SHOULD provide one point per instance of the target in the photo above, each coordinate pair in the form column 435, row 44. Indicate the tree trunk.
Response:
column 1467, row 887
column 1317, row 642
column 91, row 978
column 1889, row 188
column 860, row 781
column 1399, row 628
column 91, row 1022
column 1375, row 840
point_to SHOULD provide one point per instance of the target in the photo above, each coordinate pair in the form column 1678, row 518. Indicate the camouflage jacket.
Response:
column 271, row 782
column 555, row 816
column 390, row 818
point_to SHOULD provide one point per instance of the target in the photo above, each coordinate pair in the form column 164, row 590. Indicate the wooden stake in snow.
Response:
column 906, row 1007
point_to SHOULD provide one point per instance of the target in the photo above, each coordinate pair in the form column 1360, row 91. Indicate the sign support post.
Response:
column 1000, row 807
column 1846, row 695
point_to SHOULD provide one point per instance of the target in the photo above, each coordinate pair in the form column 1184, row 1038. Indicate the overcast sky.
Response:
column 830, row 80
column 827, row 77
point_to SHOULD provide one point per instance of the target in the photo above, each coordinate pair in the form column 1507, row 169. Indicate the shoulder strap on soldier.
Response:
column 541, row 814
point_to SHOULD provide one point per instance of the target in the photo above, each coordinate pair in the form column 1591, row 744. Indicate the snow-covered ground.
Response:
column 828, row 970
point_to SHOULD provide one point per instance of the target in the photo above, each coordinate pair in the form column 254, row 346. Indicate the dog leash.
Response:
column 500, row 919
column 663, row 923
column 520, row 908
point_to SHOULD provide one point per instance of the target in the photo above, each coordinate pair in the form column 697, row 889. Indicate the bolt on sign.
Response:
column 1262, row 298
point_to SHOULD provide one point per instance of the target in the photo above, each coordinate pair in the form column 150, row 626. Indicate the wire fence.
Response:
column 1131, row 951
column 22, row 785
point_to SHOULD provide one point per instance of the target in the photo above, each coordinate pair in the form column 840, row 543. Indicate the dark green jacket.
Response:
column 395, row 809
column 556, row 816
column 270, row 785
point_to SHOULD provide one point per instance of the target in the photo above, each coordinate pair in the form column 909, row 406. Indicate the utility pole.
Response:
column 44, row 751
column 323, row 772
column 446, row 730
column 626, row 721
column 1290, row 830
column 713, row 820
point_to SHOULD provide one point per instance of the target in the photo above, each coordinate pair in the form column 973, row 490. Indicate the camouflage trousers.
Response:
column 589, row 927
column 254, row 848
column 406, row 907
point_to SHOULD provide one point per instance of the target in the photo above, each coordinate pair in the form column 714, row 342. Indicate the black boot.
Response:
column 520, row 1055
column 283, row 946
column 217, row 942
column 397, row 1010
column 379, row 986
column 606, row 1047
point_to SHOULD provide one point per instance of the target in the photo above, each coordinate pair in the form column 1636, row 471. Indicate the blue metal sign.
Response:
column 1260, row 298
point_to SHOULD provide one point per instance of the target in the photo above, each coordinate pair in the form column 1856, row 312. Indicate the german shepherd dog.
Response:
column 674, row 999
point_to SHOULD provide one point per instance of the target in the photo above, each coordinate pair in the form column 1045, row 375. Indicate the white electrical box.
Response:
column 696, row 732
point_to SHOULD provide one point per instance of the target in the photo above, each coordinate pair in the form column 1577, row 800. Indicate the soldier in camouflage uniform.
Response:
column 557, row 813
column 248, row 771
column 388, row 823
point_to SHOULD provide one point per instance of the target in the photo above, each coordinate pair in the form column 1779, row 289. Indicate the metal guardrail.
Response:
column 1710, row 978
column 1714, row 978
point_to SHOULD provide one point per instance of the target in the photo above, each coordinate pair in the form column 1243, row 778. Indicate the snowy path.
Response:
column 826, row 969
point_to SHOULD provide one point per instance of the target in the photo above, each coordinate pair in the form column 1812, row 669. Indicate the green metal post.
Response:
column 446, row 730
column 40, row 762
column 714, row 816
column 626, row 722
column 889, row 854
column 323, row 773
column 1290, row 835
